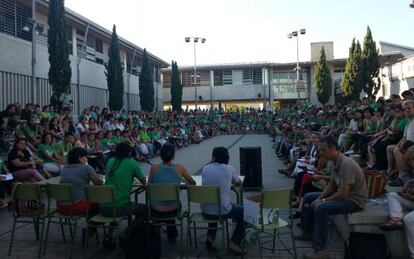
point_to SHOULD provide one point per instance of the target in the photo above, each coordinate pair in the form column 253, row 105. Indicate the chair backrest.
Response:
column 276, row 199
column 100, row 194
column 26, row 191
column 203, row 194
column 60, row 192
column 163, row 192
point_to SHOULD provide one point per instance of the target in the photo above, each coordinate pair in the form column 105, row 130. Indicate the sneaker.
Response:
column 396, row 183
column 322, row 254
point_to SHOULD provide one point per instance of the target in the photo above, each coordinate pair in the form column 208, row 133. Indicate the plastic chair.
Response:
column 102, row 195
column 275, row 199
column 34, row 208
column 62, row 193
column 165, row 192
column 200, row 195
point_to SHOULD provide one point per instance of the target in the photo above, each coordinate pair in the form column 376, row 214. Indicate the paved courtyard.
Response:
column 193, row 158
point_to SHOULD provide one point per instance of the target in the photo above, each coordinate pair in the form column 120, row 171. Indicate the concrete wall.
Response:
column 397, row 77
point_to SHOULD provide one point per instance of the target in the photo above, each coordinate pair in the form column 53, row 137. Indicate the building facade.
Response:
column 88, row 45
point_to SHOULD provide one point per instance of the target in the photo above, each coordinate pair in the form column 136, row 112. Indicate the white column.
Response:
column 125, row 61
column 211, row 88
column 74, row 48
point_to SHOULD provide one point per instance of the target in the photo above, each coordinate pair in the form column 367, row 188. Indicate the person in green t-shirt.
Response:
column 62, row 148
column 120, row 173
column 46, row 151
column 108, row 143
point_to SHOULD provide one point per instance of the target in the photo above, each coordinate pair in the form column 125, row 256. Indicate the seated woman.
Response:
column 218, row 172
column 120, row 173
column 5, row 186
column 22, row 164
column 167, row 172
column 78, row 173
column 46, row 150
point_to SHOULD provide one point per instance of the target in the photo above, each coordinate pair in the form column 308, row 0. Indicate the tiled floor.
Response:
column 193, row 157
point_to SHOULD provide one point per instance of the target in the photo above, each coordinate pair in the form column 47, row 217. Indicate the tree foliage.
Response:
column 352, row 83
column 60, row 72
column 146, row 85
column 370, row 62
column 176, row 88
column 114, row 75
column 323, row 79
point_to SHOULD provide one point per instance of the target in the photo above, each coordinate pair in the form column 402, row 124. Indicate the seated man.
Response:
column 218, row 172
column 346, row 192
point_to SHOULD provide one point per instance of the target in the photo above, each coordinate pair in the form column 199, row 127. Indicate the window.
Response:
column 247, row 77
column 218, row 77
column 13, row 17
column 7, row 17
column 227, row 77
column 257, row 76
column 99, row 51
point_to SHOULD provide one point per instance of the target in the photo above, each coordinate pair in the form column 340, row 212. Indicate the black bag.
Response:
column 366, row 246
column 142, row 241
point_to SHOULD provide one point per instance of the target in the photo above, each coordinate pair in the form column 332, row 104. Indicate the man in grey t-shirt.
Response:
column 219, row 173
column 345, row 193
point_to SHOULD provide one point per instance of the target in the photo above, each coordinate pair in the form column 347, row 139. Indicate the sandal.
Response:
column 393, row 224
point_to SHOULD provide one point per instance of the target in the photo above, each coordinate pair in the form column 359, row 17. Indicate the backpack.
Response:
column 142, row 241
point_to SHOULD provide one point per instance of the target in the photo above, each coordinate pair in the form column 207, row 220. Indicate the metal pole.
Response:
column 33, row 79
column 297, row 66
column 78, row 68
column 195, row 75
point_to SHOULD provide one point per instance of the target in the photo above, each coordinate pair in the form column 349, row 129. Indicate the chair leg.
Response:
column 274, row 241
column 189, row 232
column 36, row 227
column 46, row 236
column 195, row 235
column 295, row 255
column 74, row 236
column 41, row 236
column 259, row 243
column 12, row 236
column 181, row 240
column 63, row 230
column 67, row 221
column 227, row 232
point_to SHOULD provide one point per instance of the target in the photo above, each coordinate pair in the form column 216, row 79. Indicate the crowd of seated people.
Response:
column 368, row 133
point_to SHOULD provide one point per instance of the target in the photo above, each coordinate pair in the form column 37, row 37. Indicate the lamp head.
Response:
column 289, row 35
column 412, row 4
column 26, row 28
column 203, row 40
column 302, row 31
column 295, row 33
column 196, row 39
column 187, row 39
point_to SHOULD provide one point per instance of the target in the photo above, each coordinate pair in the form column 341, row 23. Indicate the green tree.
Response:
column 323, row 79
column 146, row 85
column 370, row 61
column 60, row 72
column 352, row 80
column 114, row 75
column 176, row 88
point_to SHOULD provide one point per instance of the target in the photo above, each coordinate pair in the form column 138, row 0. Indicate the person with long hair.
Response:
column 46, row 150
column 120, row 173
column 22, row 164
column 168, row 173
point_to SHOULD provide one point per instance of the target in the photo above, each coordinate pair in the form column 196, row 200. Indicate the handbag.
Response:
column 376, row 183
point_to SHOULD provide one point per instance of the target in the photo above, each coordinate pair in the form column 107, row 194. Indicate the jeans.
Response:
column 235, row 213
column 315, row 220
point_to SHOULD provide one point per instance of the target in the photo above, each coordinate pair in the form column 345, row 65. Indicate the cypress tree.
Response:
column 323, row 79
column 176, row 88
column 352, row 81
column 60, row 72
column 114, row 75
column 371, row 65
column 146, row 85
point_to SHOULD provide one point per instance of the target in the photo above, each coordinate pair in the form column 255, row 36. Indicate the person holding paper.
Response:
column 218, row 172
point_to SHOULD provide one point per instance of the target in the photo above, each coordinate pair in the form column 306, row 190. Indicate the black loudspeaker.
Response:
column 251, row 167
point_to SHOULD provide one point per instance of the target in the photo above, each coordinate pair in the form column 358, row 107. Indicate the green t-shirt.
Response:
column 401, row 124
column 46, row 148
column 108, row 143
column 144, row 136
column 122, row 178
column 63, row 149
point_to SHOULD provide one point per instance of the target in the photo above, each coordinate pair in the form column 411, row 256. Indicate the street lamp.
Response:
column 195, row 40
column 296, row 34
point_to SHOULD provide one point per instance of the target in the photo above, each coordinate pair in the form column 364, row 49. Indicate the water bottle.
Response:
column 275, row 218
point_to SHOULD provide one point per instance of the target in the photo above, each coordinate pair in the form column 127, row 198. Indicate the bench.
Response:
column 368, row 221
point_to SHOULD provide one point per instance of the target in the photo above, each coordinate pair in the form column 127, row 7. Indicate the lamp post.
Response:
column 296, row 34
column 195, row 40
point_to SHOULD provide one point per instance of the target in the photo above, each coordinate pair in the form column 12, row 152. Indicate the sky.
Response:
column 248, row 30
